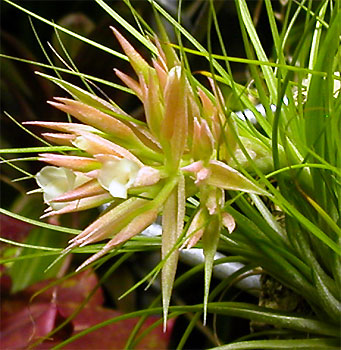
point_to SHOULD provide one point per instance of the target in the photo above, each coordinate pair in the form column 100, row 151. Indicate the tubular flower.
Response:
column 143, row 171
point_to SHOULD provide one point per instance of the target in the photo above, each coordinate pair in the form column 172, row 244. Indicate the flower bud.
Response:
column 81, row 204
column 137, row 225
column 88, row 189
column 64, row 127
column 203, row 142
column 152, row 100
column 94, row 117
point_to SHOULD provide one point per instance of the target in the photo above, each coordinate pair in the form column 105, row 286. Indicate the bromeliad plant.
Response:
column 192, row 159
column 141, row 171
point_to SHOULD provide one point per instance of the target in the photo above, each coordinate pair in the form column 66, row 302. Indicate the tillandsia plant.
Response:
column 143, row 171
column 261, row 184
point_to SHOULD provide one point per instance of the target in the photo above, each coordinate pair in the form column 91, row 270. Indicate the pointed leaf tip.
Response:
column 228, row 178
column 210, row 241
column 138, row 63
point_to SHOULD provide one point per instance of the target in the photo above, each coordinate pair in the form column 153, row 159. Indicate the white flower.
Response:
column 117, row 176
column 56, row 181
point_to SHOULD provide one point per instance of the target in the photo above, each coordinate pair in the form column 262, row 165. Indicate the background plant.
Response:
column 292, row 235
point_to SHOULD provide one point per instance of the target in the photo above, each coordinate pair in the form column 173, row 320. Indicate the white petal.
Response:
column 50, row 173
column 55, row 181
column 80, row 180
column 117, row 175
column 118, row 190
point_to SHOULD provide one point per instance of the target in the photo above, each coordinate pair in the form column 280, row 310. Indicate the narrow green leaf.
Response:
column 64, row 70
column 228, row 80
column 147, row 43
column 29, row 246
column 69, row 32
column 40, row 223
column 331, row 305
column 26, row 130
column 316, row 40
column 274, row 31
column 267, row 71
column 275, row 317
column 306, row 344
column 210, row 240
column 228, row 308
column 37, row 149
column 268, row 217
column 250, row 61
column 6, row 161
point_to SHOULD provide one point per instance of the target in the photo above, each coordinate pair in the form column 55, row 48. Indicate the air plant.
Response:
column 267, row 194
column 142, row 172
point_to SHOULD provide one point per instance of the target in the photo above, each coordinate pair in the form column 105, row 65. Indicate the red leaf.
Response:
column 21, row 325
column 73, row 290
column 5, row 281
column 13, row 229
column 28, row 325
column 115, row 335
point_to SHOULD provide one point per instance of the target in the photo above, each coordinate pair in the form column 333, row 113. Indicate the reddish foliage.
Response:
column 23, row 321
column 13, row 229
